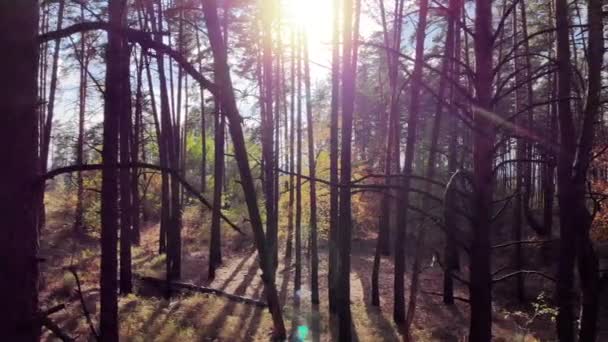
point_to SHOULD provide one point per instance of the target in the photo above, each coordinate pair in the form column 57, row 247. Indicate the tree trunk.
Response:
column 203, row 125
column 483, row 147
column 333, row 160
column 267, row 132
column 162, row 136
column 135, row 147
column 430, row 168
column 298, row 224
column 48, row 123
column 114, row 109
column 404, row 200
column 349, row 65
column 565, row 273
column 228, row 104
column 314, row 254
column 19, row 200
column 215, row 244
column 521, row 172
column 587, row 259
column 126, row 210
column 451, row 261
column 84, row 60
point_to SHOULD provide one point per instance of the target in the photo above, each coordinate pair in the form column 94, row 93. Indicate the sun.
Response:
column 314, row 18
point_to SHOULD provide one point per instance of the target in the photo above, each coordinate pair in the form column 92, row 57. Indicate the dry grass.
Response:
column 201, row 317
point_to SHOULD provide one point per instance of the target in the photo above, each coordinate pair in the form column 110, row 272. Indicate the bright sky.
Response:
column 315, row 17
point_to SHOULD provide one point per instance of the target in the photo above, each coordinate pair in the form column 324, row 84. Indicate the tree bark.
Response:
column 565, row 273
column 298, row 219
column 267, row 131
column 84, row 58
column 19, row 200
column 126, row 209
column 483, row 147
column 114, row 108
column 333, row 160
column 215, row 244
column 314, row 254
column 349, row 65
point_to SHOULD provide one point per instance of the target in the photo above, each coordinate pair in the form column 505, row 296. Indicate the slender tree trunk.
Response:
column 203, row 125
column 314, row 254
column 268, row 122
column 162, row 138
column 19, row 200
column 565, row 273
column 126, row 210
column 521, row 172
column 215, row 244
column 50, row 110
column 113, row 110
column 345, row 215
column 333, row 160
column 292, row 134
column 430, row 174
column 79, row 213
column 298, row 224
column 483, row 146
column 451, row 262
column 228, row 105
column 404, row 200
column 588, row 267
column 135, row 147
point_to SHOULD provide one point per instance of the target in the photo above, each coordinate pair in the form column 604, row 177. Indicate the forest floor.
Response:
column 208, row 317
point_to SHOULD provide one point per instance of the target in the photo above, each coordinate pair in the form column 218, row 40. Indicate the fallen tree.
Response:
column 181, row 286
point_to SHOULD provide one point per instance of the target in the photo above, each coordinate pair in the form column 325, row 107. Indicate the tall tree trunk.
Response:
column 114, row 108
column 483, row 147
column 349, row 65
column 48, row 123
column 135, row 147
column 314, row 254
column 404, row 198
column 203, row 125
column 430, row 173
column 292, row 134
column 19, row 199
column 84, row 58
column 164, row 131
column 565, row 273
column 268, row 123
column 126, row 210
column 588, row 267
column 228, row 105
column 391, row 161
column 215, row 244
column 298, row 224
column 451, row 261
column 333, row 160
column 521, row 172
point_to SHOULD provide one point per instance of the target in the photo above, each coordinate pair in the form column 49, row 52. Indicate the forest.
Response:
column 303, row 170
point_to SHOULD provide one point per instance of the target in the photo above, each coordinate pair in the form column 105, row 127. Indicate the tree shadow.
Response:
column 333, row 329
column 374, row 314
column 238, row 269
column 256, row 316
column 219, row 319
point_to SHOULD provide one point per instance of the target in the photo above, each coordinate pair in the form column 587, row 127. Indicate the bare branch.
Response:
column 95, row 167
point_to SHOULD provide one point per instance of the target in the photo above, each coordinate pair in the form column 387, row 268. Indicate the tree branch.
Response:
column 95, row 167
column 513, row 274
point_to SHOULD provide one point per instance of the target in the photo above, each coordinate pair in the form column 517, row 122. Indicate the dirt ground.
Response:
column 207, row 317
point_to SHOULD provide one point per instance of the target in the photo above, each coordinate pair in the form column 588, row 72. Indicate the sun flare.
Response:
column 313, row 18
